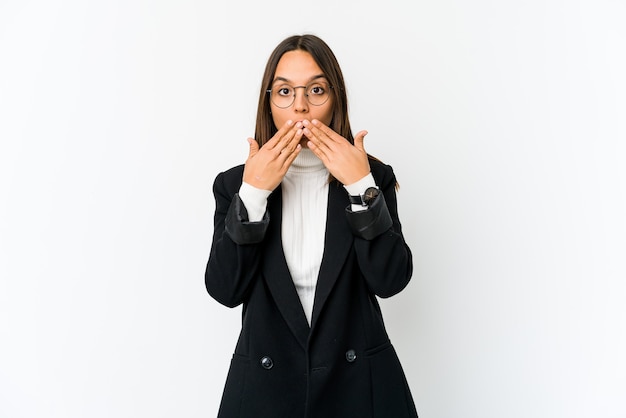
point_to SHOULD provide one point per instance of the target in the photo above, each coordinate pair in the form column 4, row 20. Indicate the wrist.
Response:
column 366, row 198
column 360, row 186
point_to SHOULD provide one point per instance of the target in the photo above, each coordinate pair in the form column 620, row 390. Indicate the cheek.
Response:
column 324, row 114
column 329, row 118
column 279, row 117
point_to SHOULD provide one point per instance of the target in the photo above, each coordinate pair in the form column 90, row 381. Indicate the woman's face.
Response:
column 299, row 69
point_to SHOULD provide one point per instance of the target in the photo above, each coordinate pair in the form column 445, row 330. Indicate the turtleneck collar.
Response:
column 306, row 162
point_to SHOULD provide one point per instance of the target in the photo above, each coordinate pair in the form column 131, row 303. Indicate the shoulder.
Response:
column 229, row 181
column 382, row 173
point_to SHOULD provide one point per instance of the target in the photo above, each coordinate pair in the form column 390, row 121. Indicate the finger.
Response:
column 254, row 147
column 358, row 140
column 317, row 150
column 290, row 147
column 324, row 131
column 313, row 134
column 278, row 136
column 291, row 157
column 325, row 138
column 290, row 139
column 295, row 141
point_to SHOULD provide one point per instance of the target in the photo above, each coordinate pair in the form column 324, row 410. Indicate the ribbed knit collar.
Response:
column 307, row 162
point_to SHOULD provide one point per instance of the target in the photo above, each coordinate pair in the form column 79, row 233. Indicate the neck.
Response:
column 306, row 162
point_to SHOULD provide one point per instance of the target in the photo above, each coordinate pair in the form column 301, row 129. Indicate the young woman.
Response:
column 306, row 237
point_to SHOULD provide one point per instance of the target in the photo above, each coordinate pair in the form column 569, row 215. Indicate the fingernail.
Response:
column 305, row 122
column 315, row 122
column 289, row 122
column 299, row 125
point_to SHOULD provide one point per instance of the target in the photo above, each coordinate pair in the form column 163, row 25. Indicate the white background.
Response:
column 504, row 122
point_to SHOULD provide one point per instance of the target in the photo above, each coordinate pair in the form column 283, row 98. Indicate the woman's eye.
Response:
column 317, row 90
column 284, row 91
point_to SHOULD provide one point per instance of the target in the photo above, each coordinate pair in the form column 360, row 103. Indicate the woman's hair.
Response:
column 325, row 58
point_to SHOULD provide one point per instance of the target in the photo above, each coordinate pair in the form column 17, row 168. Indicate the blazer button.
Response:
column 267, row 363
column 350, row 355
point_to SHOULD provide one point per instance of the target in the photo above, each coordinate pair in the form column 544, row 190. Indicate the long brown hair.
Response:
column 325, row 58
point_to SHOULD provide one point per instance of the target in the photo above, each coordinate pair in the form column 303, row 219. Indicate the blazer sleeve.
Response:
column 384, row 258
column 235, row 256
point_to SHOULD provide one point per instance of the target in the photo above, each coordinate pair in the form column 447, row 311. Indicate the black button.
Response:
column 267, row 363
column 350, row 356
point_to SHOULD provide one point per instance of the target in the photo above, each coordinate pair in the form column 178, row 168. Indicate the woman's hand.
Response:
column 266, row 166
column 346, row 162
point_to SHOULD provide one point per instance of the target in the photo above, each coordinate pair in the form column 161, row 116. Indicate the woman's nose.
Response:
column 300, row 103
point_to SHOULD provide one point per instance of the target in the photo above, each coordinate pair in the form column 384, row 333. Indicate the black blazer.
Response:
column 343, row 365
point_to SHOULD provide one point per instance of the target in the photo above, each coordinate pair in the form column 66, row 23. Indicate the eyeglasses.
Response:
column 283, row 95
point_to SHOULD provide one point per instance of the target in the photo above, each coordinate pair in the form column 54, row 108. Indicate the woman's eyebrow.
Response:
column 315, row 77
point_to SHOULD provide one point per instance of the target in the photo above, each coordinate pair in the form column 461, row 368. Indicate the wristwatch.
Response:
column 366, row 198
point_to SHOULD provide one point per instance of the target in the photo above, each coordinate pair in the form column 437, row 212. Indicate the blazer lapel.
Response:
column 277, row 274
column 337, row 243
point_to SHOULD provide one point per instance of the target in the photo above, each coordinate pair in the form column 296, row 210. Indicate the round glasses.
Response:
column 283, row 95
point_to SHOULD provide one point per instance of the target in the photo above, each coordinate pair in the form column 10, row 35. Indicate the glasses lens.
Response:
column 317, row 93
column 282, row 96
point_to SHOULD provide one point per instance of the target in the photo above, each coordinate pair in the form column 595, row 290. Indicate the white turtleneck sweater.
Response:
column 305, row 203
column 303, row 228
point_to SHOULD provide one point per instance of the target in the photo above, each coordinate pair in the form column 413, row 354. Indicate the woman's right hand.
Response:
column 266, row 166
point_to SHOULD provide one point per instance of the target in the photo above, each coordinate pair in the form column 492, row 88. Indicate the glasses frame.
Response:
column 306, row 95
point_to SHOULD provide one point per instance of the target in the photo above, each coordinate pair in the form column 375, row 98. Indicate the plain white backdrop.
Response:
column 504, row 122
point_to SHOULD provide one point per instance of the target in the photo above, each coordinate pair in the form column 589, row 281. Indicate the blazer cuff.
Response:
column 239, row 228
column 370, row 223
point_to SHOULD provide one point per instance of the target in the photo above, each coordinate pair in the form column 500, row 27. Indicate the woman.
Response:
column 306, row 236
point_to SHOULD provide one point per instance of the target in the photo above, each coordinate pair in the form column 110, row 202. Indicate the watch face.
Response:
column 370, row 195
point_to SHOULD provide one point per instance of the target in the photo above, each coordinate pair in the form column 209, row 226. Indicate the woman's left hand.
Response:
column 346, row 162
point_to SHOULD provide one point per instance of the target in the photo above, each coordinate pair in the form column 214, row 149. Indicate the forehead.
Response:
column 298, row 67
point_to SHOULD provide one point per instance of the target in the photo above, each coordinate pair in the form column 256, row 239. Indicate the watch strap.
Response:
column 356, row 200
column 366, row 198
